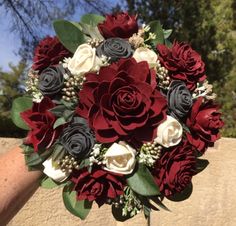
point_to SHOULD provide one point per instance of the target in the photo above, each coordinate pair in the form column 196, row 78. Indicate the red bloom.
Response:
column 49, row 52
column 99, row 185
column 175, row 169
column 183, row 63
column 121, row 25
column 204, row 123
column 41, row 121
column 122, row 102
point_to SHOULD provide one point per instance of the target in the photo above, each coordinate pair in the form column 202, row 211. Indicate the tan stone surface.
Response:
column 212, row 203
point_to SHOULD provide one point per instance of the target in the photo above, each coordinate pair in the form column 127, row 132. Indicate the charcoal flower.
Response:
column 77, row 138
column 179, row 99
column 51, row 80
column 115, row 48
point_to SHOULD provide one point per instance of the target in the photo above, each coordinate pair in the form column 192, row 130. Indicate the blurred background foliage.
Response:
column 209, row 26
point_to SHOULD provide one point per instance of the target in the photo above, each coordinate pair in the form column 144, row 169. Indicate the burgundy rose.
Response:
column 204, row 123
column 174, row 170
column 122, row 102
column 183, row 63
column 49, row 52
column 99, row 185
column 41, row 120
column 121, row 25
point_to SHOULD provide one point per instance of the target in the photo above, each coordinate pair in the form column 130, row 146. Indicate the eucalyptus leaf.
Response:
column 156, row 28
column 58, row 110
column 91, row 31
column 78, row 208
column 156, row 200
column 117, row 214
column 167, row 33
column 168, row 43
column 201, row 165
column 58, row 152
column 69, row 34
column 60, row 121
column 33, row 159
column 185, row 194
column 142, row 181
column 19, row 105
column 92, row 19
column 84, row 163
column 48, row 183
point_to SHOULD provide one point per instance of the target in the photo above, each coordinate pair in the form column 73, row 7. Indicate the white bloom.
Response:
column 145, row 54
column 169, row 133
column 120, row 158
column 52, row 172
column 84, row 60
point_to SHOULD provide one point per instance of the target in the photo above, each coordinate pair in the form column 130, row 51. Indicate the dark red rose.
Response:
column 41, row 120
column 121, row 25
column 183, row 63
column 49, row 52
column 174, row 170
column 99, row 185
column 122, row 102
column 204, row 123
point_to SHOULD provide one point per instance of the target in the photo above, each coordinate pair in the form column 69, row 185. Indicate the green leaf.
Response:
column 92, row 19
column 143, row 182
column 167, row 33
column 59, row 122
column 156, row 200
column 58, row 152
column 19, row 105
column 33, row 159
column 27, row 150
column 69, row 34
column 117, row 214
column 48, row 183
column 78, row 208
column 91, row 31
column 168, row 43
column 58, row 110
column 185, row 194
column 84, row 163
column 156, row 28
column 201, row 165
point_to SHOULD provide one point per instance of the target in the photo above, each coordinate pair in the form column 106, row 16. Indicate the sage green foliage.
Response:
column 78, row 208
column 49, row 183
column 209, row 26
column 142, row 181
column 19, row 105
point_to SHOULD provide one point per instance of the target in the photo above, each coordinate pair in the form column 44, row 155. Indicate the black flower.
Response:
column 179, row 99
column 77, row 138
column 51, row 80
column 115, row 48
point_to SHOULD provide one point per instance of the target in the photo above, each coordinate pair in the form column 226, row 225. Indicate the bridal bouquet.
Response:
column 117, row 115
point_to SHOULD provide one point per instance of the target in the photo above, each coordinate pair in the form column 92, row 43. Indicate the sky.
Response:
column 9, row 42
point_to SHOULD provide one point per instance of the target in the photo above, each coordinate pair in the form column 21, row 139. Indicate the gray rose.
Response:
column 77, row 138
column 179, row 99
column 114, row 48
column 51, row 80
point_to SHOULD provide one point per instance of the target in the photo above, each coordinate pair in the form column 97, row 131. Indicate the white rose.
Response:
column 52, row 172
column 84, row 60
column 120, row 158
column 145, row 54
column 169, row 133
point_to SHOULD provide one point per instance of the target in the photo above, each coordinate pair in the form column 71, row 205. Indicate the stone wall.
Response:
column 212, row 203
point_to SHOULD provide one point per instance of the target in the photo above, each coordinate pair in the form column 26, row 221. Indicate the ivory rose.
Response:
column 120, row 158
column 145, row 54
column 169, row 133
column 54, row 173
column 84, row 60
